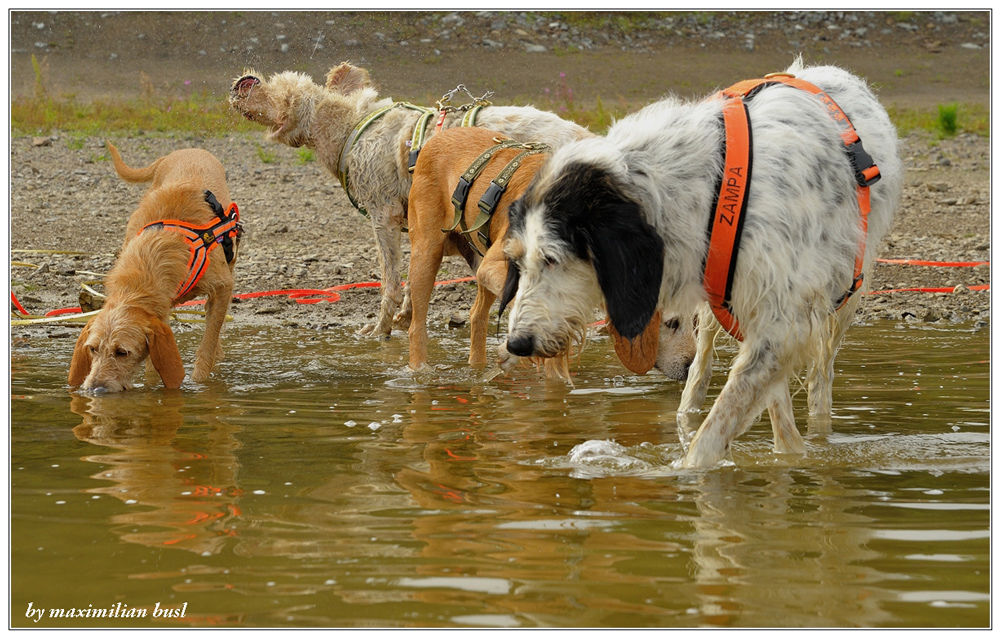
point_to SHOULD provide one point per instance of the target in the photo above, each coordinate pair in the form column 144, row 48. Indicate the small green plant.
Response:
column 75, row 143
column 947, row 119
column 39, row 84
column 306, row 155
column 266, row 156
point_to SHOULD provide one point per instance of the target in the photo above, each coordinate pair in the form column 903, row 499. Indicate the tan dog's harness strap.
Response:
column 203, row 239
column 488, row 202
column 420, row 129
column 727, row 219
column 353, row 138
column 417, row 140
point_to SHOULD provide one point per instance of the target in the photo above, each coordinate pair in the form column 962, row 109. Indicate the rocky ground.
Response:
column 302, row 231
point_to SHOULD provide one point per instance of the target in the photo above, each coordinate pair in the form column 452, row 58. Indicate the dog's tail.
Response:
column 128, row 173
column 797, row 66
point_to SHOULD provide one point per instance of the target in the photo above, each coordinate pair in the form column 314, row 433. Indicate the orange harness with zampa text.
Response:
column 726, row 223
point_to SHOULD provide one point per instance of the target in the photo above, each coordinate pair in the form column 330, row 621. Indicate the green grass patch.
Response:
column 197, row 113
column 208, row 115
column 305, row 155
column 200, row 114
column 947, row 121
column 266, row 156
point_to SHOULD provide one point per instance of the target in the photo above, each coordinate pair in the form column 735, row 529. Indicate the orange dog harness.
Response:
column 726, row 223
column 202, row 239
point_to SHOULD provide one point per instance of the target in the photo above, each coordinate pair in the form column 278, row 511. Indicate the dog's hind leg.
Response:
column 405, row 314
column 756, row 371
column 787, row 439
column 425, row 259
column 819, row 378
column 215, row 315
column 387, row 226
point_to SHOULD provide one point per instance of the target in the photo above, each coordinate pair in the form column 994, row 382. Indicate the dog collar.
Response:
column 202, row 239
column 726, row 224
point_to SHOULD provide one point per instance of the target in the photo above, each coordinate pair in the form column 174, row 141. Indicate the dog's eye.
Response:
column 121, row 352
column 549, row 261
column 672, row 324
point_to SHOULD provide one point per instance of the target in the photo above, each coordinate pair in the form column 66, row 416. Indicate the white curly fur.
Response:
column 800, row 237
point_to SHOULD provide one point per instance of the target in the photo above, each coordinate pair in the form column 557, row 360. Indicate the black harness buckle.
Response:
column 855, row 286
column 862, row 163
column 226, row 241
column 461, row 193
column 488, row 202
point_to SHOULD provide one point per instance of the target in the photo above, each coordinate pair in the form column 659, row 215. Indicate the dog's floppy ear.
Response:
column 347, row 78
column 638, row 354
column 627, row 255
column 509, row 286
column 79, row 368
column 163, row 352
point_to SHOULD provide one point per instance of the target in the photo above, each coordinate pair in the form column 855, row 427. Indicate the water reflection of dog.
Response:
column 495, row 517
column 790, row 552
column 188, row 481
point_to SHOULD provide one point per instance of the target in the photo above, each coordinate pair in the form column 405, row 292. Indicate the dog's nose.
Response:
column 685, row 370
column 521, row 345
column 244, row 84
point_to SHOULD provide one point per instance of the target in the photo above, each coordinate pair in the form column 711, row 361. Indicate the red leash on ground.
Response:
column 300, row 295
column 313, row 295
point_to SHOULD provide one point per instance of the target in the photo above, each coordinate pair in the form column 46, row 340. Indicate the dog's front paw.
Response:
column 704, row 453
column 372, row 330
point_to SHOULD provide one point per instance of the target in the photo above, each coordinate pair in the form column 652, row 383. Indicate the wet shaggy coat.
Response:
column 623, row 219
column 299, row 112
column 132, row 324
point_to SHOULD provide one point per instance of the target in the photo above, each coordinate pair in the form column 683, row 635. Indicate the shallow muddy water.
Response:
column 314, row 481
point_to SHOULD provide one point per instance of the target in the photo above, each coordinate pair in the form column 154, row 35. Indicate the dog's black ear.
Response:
column 509, row 286
column 627, row 255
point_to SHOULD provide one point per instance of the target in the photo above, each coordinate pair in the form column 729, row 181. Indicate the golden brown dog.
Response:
column 149, row 277
column 443, row 160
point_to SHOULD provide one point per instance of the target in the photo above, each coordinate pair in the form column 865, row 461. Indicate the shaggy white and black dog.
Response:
column 622, row 220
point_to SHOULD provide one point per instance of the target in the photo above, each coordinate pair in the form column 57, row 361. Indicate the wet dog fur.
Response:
column 132, row 324
column 442, row 162
column 623, row 219
column 298, row 112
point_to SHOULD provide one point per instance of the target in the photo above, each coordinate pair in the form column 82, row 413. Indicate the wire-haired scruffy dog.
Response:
column 625, row 218
column 181, row 242
column 375, row 169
